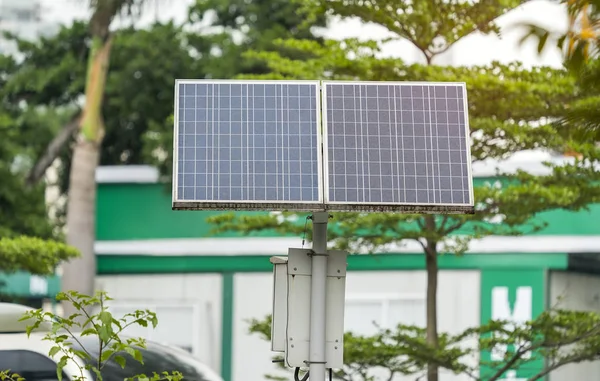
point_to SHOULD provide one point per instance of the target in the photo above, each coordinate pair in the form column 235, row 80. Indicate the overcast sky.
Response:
column 473, row 50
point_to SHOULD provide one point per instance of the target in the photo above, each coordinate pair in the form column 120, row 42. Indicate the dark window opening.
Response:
column 31, row 366
column 156, row 359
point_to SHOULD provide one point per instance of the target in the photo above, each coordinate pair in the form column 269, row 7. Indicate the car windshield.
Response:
column 156, row 359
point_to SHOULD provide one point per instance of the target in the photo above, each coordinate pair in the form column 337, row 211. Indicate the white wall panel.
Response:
column 402, row 297
column 188, row 307
column 575, row 292
column 393, row 295
column 253, row 299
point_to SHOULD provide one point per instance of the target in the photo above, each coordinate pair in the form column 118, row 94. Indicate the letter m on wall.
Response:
column 518, row 312
column 514, row 295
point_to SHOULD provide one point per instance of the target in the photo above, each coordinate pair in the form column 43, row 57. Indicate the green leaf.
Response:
column 104, row 333
column 106, row 354
column 154, row 320
column 97, row 373
column 31, row 328
column 89, row 331
column 120, row 360
column 105, row 317
column 54, row 350
column 60, row 366
column 136, row 354
column 80, row 353
column 542, row 42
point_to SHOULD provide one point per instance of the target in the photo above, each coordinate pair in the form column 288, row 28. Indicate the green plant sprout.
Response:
column 63, row 331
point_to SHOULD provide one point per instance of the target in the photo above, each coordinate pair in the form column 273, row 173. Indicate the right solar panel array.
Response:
column 396, row 146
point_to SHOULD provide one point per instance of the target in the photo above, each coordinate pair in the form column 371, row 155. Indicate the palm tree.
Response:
column 582, row 118
column 582, row 35
column 581, row 47
column 584, row 28
column 79, row 274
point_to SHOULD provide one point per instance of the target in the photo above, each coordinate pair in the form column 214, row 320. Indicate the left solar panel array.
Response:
column 247, row 145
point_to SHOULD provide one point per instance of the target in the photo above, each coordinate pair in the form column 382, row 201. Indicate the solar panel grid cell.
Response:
column 248, row 142
column 396, row 143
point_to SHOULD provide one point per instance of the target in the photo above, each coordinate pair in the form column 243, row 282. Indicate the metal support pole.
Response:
column 318, row 291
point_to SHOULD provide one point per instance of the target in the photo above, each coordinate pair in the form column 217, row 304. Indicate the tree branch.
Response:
column 516, row 357
column 423, row 244
column 444, row 221
column 564, row 361
column 52, row 151
column 451, row 228
column 543, row 344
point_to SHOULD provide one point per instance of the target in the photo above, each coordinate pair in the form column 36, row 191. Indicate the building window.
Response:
column 365, row 314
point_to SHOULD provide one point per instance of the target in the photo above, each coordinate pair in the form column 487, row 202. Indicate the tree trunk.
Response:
column 79, row 275
column 431, row 265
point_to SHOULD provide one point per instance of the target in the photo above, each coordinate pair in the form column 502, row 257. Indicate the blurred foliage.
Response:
column 28, row 239
column 580, row 42
column 34, row 255
column 560, row 337
column 581, row 48
column 139, row 91
column 236, row 26
column 432, row 26
column 581, row 119
column 43, row 91
column 508, row 105
column 24, row 132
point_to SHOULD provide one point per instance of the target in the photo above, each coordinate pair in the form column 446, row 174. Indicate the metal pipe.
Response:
column 318, row 292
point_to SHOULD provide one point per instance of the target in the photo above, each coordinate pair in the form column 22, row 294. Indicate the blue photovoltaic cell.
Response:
column 247, row 142
column 393, row 143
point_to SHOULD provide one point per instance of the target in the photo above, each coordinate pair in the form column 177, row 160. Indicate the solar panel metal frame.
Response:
column 274, row 205
column 420, row 208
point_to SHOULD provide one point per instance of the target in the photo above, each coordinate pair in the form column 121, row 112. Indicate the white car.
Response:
column 28, row 356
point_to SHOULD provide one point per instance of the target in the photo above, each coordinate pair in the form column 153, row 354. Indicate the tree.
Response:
column 505, row 117
column 582, row 58
column 52, row 75
column 80, row 274
column 581, row 119
column 28, row 240
column 432, row 26
column 137, row 94
column 238, row 26
column 560, row 337
column 34, row 255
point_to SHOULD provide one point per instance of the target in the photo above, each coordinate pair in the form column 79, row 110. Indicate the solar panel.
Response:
column 247, row 145
column 396, row 146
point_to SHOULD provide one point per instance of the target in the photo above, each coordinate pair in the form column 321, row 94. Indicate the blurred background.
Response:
column 207, row 274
